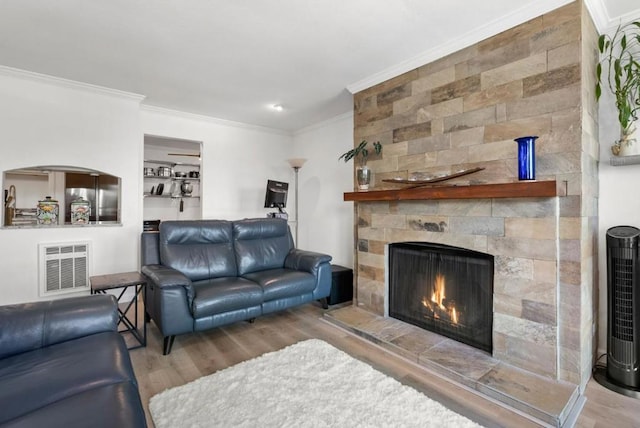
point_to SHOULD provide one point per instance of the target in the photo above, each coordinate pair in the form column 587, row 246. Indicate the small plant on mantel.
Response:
column 620, row 54
column 361, row 154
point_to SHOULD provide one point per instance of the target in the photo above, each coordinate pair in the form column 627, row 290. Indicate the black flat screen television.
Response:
column 276, row 194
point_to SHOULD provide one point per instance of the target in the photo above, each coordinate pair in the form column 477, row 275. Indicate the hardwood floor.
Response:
column 200, row 354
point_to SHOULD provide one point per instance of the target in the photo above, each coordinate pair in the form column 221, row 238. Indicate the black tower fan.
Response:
column 623, row 308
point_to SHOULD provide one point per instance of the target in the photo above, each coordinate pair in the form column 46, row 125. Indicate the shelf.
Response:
column 157, row 177
column 149, row 195
column 521, row 189
column 172, row 164
column 624, row 160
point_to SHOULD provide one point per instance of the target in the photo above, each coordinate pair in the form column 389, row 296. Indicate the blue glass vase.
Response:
column 526, row 157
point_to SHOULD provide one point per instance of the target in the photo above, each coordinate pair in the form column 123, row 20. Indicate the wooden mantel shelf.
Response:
column 521, row 189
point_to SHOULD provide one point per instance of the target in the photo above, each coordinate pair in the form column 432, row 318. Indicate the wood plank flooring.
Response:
column 200, row 354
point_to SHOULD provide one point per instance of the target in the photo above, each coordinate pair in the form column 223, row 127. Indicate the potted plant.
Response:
column 620, row 56
column 361, row 154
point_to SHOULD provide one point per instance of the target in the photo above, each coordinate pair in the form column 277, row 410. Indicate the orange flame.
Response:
column 438, row 294
column 438, row 297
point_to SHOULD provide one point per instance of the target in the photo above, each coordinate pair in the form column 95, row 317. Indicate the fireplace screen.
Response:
column 444, row 289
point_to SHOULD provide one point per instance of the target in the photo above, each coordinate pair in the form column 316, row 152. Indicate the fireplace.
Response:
column 443, row 289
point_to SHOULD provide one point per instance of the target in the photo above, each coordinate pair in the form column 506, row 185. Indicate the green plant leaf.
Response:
column 360, row 151
column 601, row 40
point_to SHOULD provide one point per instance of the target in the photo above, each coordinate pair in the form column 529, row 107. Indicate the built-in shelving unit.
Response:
column 171, row 178
column 174, row 162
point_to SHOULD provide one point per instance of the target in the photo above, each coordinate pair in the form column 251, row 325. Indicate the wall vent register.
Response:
column 63, row 267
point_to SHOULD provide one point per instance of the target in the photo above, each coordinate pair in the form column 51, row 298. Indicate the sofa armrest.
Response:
column 166, row 277
column 305, row 260
column 169, row 299
column 30, row 326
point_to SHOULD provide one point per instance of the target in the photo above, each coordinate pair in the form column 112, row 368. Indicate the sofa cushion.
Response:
column 107, row 406
column 29, row 326
column 261, row 243
column 38, row 378
column 219, row 295
column 281, row 283
column 200, row 249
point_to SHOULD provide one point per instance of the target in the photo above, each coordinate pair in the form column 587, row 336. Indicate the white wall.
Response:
column 237, row 160
column 47, row 121
column 51, row 122
column 326, row 221
column 619, row 204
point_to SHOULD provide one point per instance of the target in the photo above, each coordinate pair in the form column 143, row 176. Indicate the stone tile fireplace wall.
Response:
column 463, row 111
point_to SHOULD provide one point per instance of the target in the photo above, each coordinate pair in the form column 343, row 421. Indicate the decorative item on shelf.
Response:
column 180, row 174
column 194, row 174
column 174, row 190
column 9, row 205
column 24, row 217
column 80, row 211
column 621, row 62
column 47, row 211
column 424, row 181
column 363, row 173
column 186, row 187
column 526, row 157
column 149, row 172
column 164, row 171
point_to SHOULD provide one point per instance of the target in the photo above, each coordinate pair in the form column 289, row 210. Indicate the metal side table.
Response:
column 135, row 282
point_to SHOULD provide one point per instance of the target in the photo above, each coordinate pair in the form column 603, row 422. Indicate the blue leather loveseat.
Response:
column 207, row 273
column 63, row 364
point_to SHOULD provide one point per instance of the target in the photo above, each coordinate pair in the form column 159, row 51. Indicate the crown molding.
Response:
column 599, row 14
column 634, row 15
column 525, row 13
column 67, row 83
column 217, row 121
column 603, row 21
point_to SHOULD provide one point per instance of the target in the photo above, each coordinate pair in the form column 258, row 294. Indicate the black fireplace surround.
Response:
column 443, row 289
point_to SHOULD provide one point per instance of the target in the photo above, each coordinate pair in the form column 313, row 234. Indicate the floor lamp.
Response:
column 296, row 164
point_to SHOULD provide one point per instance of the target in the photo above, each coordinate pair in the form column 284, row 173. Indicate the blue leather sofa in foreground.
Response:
column 63, row 364
column 208, row 273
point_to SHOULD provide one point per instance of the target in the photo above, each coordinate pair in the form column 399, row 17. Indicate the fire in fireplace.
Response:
column 444, row 289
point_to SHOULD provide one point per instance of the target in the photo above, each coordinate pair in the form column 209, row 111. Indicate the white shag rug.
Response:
column 309, row 384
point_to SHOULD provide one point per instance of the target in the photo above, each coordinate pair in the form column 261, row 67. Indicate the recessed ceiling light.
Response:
column 277, row 107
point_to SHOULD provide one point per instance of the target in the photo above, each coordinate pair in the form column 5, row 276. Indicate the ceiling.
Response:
column 233, row 60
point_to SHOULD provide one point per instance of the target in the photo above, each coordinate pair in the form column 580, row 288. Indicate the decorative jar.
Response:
column 80, row 211
column 47, row 211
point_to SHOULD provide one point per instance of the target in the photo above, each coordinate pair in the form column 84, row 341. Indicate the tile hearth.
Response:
column 551, row 402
